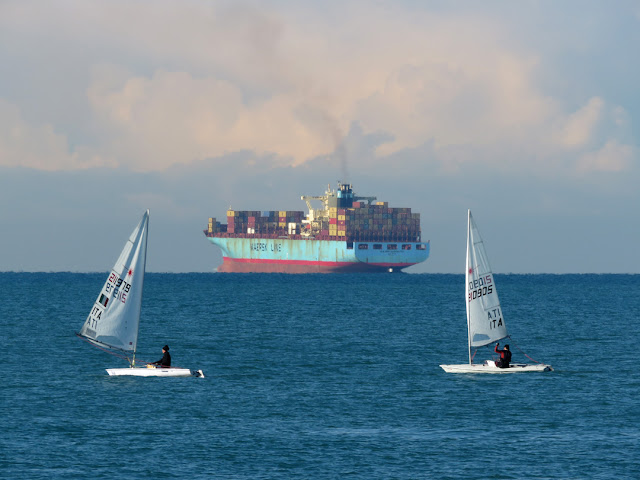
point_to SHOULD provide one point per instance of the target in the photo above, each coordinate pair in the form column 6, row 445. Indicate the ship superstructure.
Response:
column 346, row 233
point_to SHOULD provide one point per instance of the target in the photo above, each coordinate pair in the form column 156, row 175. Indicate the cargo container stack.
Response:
column 215, row 226
column 272, row 222
column 379, row 222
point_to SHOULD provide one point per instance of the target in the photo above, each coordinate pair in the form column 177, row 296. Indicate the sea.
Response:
column 322, row 377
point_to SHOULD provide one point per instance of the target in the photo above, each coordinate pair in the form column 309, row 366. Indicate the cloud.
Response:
column 289, row 84
column 580, row 126
column 39, row 146
column 463, row 89
column 597, row 137
column 174, row 117
column 612, row 157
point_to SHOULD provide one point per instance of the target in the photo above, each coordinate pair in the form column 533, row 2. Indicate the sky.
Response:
column 527, row 113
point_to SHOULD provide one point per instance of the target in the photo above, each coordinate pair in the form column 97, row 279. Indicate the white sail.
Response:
column 484, row 315
column 115, row 316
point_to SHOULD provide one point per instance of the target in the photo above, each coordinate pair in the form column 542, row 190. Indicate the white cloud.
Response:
column 39, row 146
column 172, row 83
column 580, row 126
column 597, row 137
column 415, row 79
column 174, row 117
column 612, row 157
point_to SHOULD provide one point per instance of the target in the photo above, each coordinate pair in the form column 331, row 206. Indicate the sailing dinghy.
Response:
column 485, row 322
column 112, row 324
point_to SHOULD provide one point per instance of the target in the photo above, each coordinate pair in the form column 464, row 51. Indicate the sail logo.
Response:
column 103, row 300
column 495, row 318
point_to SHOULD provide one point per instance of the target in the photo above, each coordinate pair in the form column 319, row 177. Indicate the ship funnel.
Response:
column 345, row 196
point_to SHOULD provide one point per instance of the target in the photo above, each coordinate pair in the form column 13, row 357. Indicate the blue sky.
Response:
column 526, row 112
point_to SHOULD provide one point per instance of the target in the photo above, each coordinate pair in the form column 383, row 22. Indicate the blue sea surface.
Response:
column 322, row 377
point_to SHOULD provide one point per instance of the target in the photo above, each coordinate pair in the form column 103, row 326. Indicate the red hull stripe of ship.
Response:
column 313, row 263
column 245, row 265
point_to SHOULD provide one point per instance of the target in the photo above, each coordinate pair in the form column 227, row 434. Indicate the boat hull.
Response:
column 490, row 367
column 155, row 372
column 285, row 255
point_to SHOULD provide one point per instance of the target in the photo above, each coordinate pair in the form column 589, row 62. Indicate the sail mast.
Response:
column 144, row 269
column 466, row 288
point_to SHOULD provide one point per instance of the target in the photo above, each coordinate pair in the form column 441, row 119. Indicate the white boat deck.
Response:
column 155, row 372
column 490, row 367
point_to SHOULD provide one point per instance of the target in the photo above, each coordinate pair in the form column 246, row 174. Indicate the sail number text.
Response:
column 119, row 286
column 481, row 286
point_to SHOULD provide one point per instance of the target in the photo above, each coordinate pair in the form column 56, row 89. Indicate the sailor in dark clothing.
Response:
column 505, row 356
column 165, row 361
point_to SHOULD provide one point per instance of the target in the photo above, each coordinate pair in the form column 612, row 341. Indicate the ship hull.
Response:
column 286, row 255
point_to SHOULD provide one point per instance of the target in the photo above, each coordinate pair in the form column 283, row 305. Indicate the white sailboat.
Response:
column 485, row 322
column 113, row 321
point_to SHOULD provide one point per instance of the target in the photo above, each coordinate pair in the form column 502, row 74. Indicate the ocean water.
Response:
column 322, row 377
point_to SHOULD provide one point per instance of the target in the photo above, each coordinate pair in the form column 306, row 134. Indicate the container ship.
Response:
column 346, row 234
